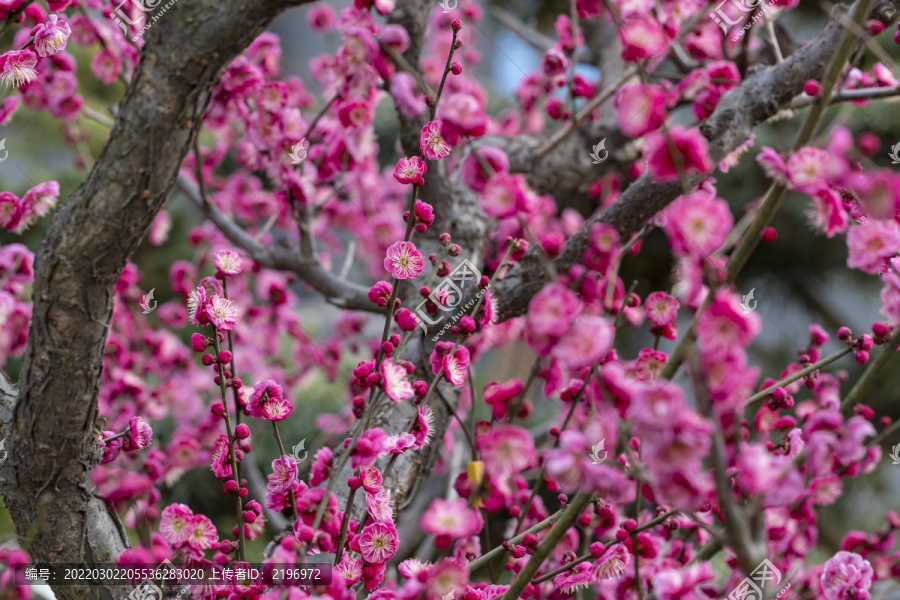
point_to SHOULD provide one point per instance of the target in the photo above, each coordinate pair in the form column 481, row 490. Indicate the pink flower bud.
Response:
column 865, row 342
column 597, row 549
column 249, row 516
column 456, row 68
column 812, row 88
column 225, row 358
column 243, row 492
column 242, row 432
column 862, row 357
column 207, row 360
column 874, row 26
column 844, row 333
column 199, row 342
column 218, row 409
column 455, row 25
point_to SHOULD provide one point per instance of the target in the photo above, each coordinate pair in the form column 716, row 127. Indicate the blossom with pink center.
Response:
column 432, row 142
column 411, row 567
column 461, row 114
column 690, row 145
column 379, row 507
column 17, row 67
column 611, row 563
column 371, row 479
column 451, row 518
column 456, row 366
column 504, row 195
column 423, row 427
column 474, row 174
column 660, row 308
column 640, row 108
column 411, row 170
column 723, row 324
column 410, row 101
column 368, row 448
column 377, row 542
column 773, row 165
column 263, row 392
column 222, row 313
column 284, row 475
column 642, row 37
column 203, row 533
column 825, row 491
column 555, row 63
column 586, row 342
column 349, row 568
column 277, row 409
column 42, row 198
column 394, row 379
column 447, row 576
column 871, row 244
column 398, row 444
column 698, row 224
column 50, row 36
column 107, row 65
column 323, row 462
column 228, row 262
column 811, row 169
column 175, row 524
column 140, row 433
column 404, row 261
column 380, row 293
column 846, row 576
column 649, row 364
column 683, row 583
column 827, row 213
column 506, row 449
column 10, row 214
column 320, row 18
column 579, row 577
column 551, row 311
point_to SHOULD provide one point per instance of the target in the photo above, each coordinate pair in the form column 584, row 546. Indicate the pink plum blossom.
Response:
column 690, row 145
column 871, row 244
column 404, row 261
column 588, row 340
column 847, row 575
column 396, row 384
column 661, row 308
column 506, row 449
column 411, row 170
column 378, row 542
column 50, row 36
column 640, row 108
column 642, row 38
column 451, row 518
column 17, row 67
column 222, row 313
column 698, row 224
column 228, row 262
column 432, row 143
column 284, row 474
column 552, row 310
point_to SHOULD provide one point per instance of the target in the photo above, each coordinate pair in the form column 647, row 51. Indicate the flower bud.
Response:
column 456, row 68
column 242, row 432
